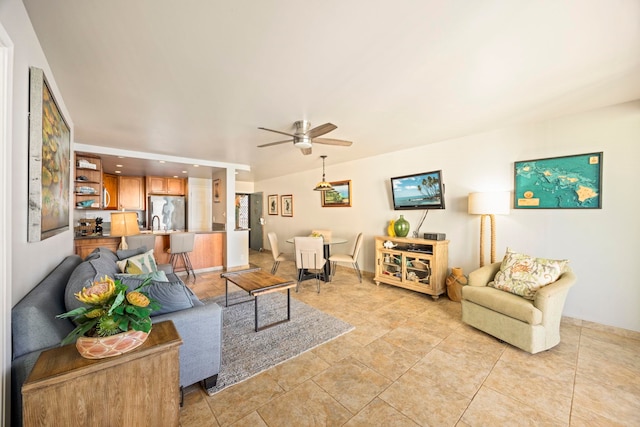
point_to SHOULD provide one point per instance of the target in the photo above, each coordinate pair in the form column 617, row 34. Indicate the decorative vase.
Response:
column 113, row 345
column 401, row 227
column 455, row 281
column 390, row 231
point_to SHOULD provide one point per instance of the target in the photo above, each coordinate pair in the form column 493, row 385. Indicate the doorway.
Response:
column 256, row 220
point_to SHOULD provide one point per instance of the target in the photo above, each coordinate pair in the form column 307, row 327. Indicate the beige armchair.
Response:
column 531, row 325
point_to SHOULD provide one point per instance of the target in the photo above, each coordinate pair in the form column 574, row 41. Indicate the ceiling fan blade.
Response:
column 275, row 143
column 306, row 151
column 329, row 141
column 321, row 130
column 277, row 131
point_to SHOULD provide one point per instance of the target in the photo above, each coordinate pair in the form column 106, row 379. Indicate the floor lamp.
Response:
column 488, row 205
column 124, row 224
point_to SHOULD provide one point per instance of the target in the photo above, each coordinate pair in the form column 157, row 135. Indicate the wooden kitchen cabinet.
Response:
column 138, row 388
column 165, row 185
column 131, row 193
column 110, row 183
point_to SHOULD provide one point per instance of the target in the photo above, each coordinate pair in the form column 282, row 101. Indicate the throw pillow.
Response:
column 128, row 253
column 132, row 281
column 139, row 264
column 523, row 275
column 172, row 296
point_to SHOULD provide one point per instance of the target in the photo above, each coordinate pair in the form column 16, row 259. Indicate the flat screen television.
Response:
column 418, row 191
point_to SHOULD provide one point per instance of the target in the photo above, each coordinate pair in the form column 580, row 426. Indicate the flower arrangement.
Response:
column 110, row 310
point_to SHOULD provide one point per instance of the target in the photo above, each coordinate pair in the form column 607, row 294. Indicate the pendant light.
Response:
column 323, row 185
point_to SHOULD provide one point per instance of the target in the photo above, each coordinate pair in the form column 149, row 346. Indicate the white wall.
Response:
column 30, row 261
column 600, row 243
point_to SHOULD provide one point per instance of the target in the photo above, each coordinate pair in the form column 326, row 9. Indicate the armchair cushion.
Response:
column 503, row 302
column 523, row 275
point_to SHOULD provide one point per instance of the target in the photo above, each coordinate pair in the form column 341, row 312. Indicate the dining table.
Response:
column 326, row 249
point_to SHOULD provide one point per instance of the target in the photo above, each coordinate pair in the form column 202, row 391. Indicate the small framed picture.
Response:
column 340, row 196
column 216, row 191
column 272, row 201
column 287, row 205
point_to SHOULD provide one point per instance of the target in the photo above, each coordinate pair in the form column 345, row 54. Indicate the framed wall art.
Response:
column 340, row 196
column 567, row 182
column 287, row 205
column 216, row 191
column 49, row 162
column 272, row 202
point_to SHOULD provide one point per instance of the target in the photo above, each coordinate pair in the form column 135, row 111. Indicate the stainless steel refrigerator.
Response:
column 169, row 210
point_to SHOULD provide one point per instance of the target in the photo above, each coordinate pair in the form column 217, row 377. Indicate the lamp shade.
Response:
column 124, row 224
column 489, row 203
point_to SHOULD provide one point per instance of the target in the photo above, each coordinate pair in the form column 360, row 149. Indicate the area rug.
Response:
column 246, row 353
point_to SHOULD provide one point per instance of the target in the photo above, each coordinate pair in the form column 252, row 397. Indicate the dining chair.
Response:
column 326, row 234
column 147, row 241
column 353, row 258
column 309, row 258
column 278, row 256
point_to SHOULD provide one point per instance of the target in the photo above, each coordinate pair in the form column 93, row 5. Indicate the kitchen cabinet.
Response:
column 88, row 182
column 131, row 193
column 165, row 185
column 110, row 184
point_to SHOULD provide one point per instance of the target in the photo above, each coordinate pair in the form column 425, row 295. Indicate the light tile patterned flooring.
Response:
column 411, row 361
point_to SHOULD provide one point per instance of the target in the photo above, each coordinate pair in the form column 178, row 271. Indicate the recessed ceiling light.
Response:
column 118, row 171
column 119, row 166
column 175, row 176
column 185, row 172
column 162, row 161
column 196, row 166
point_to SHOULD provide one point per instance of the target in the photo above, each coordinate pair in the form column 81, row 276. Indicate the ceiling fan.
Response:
column 304, row 137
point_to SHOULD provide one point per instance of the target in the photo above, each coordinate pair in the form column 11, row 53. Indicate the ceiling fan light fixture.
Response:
column 323, row 185
column 302, row 142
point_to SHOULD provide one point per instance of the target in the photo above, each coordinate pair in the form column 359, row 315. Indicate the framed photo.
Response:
column 568, row 182
column 287, row 205
column 49, row 162
column 272, row 201
column 340, row 196
column 216, row 191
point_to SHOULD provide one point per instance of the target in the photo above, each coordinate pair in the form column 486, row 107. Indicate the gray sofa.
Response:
column 35, row 327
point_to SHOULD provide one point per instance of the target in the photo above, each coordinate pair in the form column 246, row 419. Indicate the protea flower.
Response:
column 98, row 293
column 138, row 299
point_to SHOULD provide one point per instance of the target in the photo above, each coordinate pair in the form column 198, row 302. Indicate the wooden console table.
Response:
column 139, row 388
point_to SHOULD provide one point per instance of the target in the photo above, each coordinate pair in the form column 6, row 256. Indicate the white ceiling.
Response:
column 195, row 79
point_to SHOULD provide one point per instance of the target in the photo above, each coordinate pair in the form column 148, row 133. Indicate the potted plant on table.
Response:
column 113, row 322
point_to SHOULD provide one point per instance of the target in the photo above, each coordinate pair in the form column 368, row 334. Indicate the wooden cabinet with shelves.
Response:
column 165, row 185
column 87, row 190
column 416, row 264
column 131, row 194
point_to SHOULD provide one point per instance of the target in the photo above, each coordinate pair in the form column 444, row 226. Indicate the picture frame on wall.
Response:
column 340, row 196
column 566, row 182
column 286, row 203
column 49, row 162
column 216, row 191
column 272, row 204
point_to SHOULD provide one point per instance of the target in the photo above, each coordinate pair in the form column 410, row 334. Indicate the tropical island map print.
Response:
column 571, row 182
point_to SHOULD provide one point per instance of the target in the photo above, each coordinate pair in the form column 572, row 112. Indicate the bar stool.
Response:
column 180, row 246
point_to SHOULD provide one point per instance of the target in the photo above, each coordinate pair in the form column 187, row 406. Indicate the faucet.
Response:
column 152, row 221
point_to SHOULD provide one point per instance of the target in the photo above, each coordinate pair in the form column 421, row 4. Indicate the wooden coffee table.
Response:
column 257, row 282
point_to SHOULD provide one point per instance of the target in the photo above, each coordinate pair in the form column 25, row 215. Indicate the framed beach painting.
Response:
column 340, row 196
column 272, row 202
column 567, row 182
column 287, row 205
column 49, row 162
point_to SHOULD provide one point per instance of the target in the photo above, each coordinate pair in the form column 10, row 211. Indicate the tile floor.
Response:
column 411, row 361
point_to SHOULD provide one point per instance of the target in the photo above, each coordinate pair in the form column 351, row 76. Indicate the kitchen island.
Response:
column 208, row 249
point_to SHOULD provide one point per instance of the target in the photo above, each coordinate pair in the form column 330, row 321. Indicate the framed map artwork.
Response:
column 568, row 182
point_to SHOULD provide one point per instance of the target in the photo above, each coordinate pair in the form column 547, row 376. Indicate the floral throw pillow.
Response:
column 139, row 264
column 523, row 275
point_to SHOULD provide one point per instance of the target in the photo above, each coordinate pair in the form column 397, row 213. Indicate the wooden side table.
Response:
column 139, row 388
